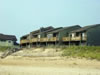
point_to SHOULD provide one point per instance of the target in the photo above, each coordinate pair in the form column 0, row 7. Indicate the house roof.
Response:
column 62, row 28
column 34, row 32
column 24, row 36
column 42, row 30
column 70, row 27
column 86, row 28
column 8, row 37
column 55, row 30
column 46, row 28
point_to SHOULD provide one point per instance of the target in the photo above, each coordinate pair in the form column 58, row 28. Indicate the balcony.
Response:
column 84, row 38
column 76, row 38
column 52, row 39
column 24, row 41
column 43, row 40
column 34, row 40
column 66, row 39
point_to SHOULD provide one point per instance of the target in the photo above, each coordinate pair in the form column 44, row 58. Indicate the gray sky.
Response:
column 19, row 17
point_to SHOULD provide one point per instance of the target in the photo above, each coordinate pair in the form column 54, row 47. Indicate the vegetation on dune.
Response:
column 91, row 52
column 4, row 48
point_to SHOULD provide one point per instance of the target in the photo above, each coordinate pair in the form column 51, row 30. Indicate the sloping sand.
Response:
column 48, row 66
column 46, row 62
column 31, row 70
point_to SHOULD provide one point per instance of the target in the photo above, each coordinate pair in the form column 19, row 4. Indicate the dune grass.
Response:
column 91, row 52
column 4, row 48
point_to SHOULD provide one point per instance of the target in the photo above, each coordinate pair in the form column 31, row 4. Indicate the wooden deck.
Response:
column 79, row 38
column 53, row 39
column 65, row 39
column 84, row 38
column 24, row 41
column 76, row 38
column 43, row 40
column 34, row 40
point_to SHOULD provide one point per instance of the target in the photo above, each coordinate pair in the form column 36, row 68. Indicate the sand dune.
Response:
column 46, row 62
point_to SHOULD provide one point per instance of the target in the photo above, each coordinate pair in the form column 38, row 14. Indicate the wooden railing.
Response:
column 53, row 39
column 34, row 40
column 43, row 40
column 24, row 41
column 84, row 38
column 76, row 38
column 65, row 39
column 79, row 38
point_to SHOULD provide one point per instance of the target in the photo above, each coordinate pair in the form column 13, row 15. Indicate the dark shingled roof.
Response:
column 71, row 27
column 55, row 30
column 86, row 28
column 42, row 30
column 7, row 37
column 50, row 30
column 34, row 32
column 46, row 28
column 24, row 36
column 63, row 28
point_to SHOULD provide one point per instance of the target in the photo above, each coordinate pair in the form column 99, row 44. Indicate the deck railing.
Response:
column 34, row 40
column 66, row 39
column 84, row 38
column 43, row 40
column 52, row 39
column 78, row 38
column 24, row 41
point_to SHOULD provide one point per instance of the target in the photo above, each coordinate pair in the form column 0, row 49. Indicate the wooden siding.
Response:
column 93, row 36
column 7, row 43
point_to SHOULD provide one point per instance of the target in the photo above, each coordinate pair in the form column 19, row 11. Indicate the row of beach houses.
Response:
column 71, row 35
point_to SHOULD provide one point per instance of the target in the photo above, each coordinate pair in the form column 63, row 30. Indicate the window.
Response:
column 67, row 35
column 50, row 35
column 9, row 41
column 45, row 35
column 55, row 35
column 35, row 36
column 39, row 36
column 2, row 40
column 77, row 34
column 73, row 35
